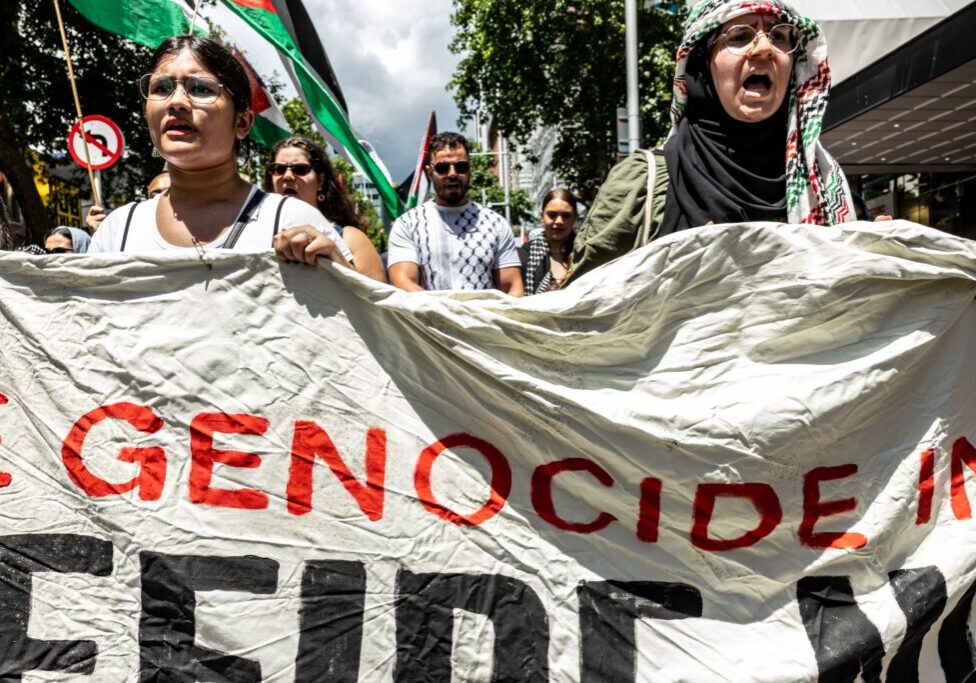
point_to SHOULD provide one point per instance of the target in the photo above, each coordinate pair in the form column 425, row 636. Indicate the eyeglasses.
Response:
column 199, row 89
column 280, row 169
column 442, row 167
column 60, row 250
column 739, row 39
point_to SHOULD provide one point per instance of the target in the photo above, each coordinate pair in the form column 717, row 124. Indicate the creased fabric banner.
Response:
column 742, row 453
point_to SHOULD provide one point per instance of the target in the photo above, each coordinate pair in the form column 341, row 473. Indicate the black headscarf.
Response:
column 720, row 169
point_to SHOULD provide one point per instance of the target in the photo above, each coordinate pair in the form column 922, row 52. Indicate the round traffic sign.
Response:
column 105, row 143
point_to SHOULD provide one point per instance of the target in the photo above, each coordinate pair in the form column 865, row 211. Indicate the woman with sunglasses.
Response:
column 545, row 259
column 750, row 91
column 301, row 169
column 198, row 109
column 65, row 240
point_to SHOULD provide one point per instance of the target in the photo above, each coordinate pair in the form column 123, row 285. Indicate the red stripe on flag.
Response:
column 259, row 98
column 256, row 4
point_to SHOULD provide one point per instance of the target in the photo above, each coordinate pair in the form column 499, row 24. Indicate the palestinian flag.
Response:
column 319, row 90
column 147, row 22
column 270, row 125
column 420, row 185
column 294, row 17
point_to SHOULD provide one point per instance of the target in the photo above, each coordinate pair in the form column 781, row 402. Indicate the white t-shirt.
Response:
column 144, row 234
column 456, row 247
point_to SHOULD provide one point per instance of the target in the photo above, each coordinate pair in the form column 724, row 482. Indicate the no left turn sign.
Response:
column 105, row 143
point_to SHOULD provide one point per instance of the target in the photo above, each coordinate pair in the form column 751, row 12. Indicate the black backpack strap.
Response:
column 277, row 221
column 243, row 219
column 128, row 222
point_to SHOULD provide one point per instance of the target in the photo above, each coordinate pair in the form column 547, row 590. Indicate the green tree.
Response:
column 38, row 108
column 486, row 189
column 561, row 64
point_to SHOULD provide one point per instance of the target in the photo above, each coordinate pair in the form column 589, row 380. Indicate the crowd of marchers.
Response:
column 750, row 89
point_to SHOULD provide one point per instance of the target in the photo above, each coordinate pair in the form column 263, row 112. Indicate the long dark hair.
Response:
column 216, row 59
column 6, row 230
column 333, row 201
column 563, row 194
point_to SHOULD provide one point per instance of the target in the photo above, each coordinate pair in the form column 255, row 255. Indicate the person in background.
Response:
column 450, row 242
column 158, row 185
column 198, row 110
column 96, row 214
column 545, row 259
column 65, row 240
column 300, row 168
column 750, row 89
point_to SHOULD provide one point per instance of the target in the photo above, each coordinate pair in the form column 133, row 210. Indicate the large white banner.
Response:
column 743, row 453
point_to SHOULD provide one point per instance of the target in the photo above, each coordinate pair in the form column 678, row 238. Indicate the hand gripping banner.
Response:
column 742, row 453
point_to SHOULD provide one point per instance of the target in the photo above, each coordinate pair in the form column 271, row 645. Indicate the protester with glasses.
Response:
column 450, row 242
column 750, row 91
column 198, row 109
column 300, row 168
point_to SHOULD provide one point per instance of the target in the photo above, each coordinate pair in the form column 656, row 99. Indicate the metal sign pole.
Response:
column 633, row 97
column 74, row 91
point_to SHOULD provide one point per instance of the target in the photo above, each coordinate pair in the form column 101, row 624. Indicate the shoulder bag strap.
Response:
column 277, row 222
column 645, row 233
column 243, row 219
column 128, row 222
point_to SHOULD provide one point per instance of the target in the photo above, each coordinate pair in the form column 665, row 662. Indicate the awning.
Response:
column 914, row 108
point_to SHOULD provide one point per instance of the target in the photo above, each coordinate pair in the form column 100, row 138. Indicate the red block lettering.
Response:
column 542, row 493
column 814, row 509
column 5, row 477
column 310, row 441
column 926, row 486
column 204, row 455
column 501, row 479
column 151, row 460
column 762, row 497
column 962, row 452
column 649, row 510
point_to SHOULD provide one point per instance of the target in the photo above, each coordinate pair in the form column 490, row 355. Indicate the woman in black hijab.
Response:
column 751, row 86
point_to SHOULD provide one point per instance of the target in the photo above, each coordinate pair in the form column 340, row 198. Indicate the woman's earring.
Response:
column 321, row 197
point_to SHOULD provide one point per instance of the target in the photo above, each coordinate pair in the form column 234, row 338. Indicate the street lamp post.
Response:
column 633, row 100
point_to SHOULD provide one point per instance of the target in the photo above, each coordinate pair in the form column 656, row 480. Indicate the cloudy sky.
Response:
column 393, row 65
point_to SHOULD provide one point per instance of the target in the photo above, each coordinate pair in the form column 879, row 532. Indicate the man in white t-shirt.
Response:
column 450, row 242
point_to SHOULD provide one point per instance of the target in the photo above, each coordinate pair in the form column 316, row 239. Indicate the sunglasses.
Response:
column 443, row 167
column 199, row 89
column 280, row 169
column 60, row 250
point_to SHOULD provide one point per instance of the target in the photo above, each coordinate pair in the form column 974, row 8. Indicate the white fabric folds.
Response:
column 743, row 452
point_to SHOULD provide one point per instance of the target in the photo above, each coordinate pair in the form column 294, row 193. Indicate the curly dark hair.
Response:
column 447, row 140
column 216, row 59
column 333, row 200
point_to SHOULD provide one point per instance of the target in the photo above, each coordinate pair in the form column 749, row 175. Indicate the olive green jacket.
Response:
column 620, row 219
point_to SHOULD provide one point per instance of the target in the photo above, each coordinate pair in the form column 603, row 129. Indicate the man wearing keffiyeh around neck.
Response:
column 750, row 91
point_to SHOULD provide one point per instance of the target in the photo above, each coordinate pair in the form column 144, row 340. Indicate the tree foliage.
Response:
column 561, row 64
column 38, row 108
column 485, row 188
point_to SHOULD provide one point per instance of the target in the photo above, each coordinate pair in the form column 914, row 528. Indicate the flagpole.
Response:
column 193, row 21
column 74, row 91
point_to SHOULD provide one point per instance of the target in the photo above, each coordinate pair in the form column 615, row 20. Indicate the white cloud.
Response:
column 392, row 61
